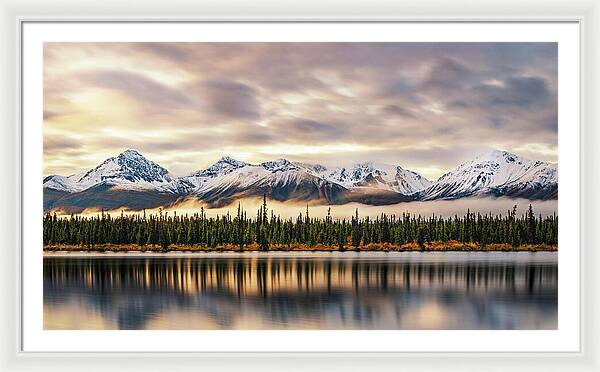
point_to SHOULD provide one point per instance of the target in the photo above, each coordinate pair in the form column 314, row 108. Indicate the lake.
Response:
column 302, row 290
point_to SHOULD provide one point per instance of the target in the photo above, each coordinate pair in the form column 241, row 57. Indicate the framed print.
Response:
column 302, row 188
column 382, row 185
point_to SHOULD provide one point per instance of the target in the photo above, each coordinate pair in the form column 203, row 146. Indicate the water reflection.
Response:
column 313, row 291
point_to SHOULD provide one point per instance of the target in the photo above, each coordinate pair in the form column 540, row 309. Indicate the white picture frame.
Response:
column 15, row 14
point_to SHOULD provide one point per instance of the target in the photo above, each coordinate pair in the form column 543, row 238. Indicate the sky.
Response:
column 424, row 106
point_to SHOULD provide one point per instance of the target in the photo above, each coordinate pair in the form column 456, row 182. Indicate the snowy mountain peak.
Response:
column 128, row 169
column 491, row 172
column 280, row 165
column 231, row 161
column 130, row 153
column 223, row 166
column 384, row 176
column 61, row 183
column 131, row 166
column 499, row 156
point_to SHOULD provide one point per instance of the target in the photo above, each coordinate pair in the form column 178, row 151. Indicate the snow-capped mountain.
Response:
column 497, row 173
column 222, row 167
column 229, row 179
column 390, row 177
column 61, row 183
column 129, row 170
column 129, row 180
column 199, row 179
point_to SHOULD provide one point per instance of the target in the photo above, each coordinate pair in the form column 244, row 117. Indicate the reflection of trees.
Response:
column 286, row 288
column 265, row 276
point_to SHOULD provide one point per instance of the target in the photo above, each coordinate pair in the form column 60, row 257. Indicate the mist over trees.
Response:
column 266, row 229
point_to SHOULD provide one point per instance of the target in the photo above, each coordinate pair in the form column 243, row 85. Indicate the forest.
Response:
column 265, row 231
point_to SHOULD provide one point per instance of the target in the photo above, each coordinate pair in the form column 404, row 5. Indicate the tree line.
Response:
column 265, row 229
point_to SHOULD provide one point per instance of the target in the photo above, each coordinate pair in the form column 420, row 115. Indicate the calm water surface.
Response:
column 302, row 291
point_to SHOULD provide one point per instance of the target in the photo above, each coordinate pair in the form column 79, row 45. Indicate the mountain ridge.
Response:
column 121, row 179
column 491, row 173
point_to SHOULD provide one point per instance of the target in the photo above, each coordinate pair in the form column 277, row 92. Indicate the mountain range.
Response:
column 131, row 181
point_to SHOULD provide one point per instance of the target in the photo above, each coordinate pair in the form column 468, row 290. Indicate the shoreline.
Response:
column 448, row 255
column 384, row 248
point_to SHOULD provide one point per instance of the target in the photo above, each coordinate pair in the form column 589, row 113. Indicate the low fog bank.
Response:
column 445, row 208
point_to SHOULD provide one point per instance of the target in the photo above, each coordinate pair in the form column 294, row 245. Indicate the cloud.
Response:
column 499, row 121
column 396, row 110
column 519, row 91
column 315, row 126
column 400, row 87
column 54, row 144
column 425, row 106
column 176, row 52
column 249, row 134
column 447, row 74
column 230, row 99
column 138, row 87
column 308, row 131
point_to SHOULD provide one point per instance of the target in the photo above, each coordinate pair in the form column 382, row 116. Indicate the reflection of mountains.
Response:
column 271, row 292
